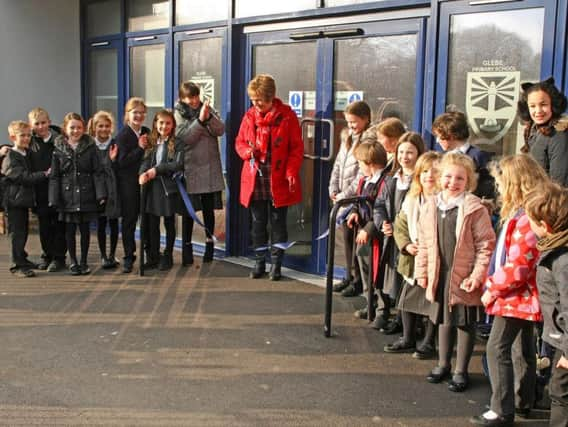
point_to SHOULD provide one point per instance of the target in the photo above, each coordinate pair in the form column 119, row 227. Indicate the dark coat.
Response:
column 112, row 205
column 76, row 182
column 162, row 197
column 41, row 154
column 19, row 180
column 551, row 151
column 552, row 280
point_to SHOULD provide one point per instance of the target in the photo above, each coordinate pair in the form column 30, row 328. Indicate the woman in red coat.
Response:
column 270, row 144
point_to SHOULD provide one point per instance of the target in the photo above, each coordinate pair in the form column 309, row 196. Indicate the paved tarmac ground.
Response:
column 204, row 346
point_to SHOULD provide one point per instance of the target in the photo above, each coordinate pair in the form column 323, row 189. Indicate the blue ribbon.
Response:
column 187, row 202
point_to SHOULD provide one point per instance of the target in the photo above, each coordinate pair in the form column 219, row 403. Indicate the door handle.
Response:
column 305, row 121
column 331, row 140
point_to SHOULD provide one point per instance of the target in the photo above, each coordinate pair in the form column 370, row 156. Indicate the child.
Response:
column 511, row 295
column 372, row 159
column 101, row 127
column 198, row 126
column 412, row 302
column 547, row 210
column 343, row 183
column 51, row 230
column 131, row 142
column 388, row 133
column 76, row 186
column 546, row 130
column 162, row 159
column 19, row 195
column 407, row 151
column 452, row 132
column 455, row 242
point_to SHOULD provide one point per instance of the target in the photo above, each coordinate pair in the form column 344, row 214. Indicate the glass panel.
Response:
column 103, row 81
column 201, row 62
column 293, row 78
column 490, row 55
column 103, row 17
column 380, row 71
column 331, row 3
column 192, row 12
column 148, row 14
column 245, row 8
column 148, row 77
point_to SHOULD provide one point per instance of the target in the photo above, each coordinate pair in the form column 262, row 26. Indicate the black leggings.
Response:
column 70, row 231
column 208, row 211
column 154, row 236
column 409, row 321
column 101, row 235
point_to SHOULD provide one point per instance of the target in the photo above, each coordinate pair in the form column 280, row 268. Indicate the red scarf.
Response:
column 263, row 123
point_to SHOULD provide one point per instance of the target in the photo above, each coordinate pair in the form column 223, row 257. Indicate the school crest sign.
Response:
column 491, row 102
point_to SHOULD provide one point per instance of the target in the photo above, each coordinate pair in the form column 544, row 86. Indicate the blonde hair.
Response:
column 412, row 138
column 16, row 127
column 371, row 154
column 427, row 161
column 100, row 115
column 68, row 117
column 262, row 85
column 516, row 176
column 37, row 112
column 131, row 104
column 459, row 159
column 548, row 203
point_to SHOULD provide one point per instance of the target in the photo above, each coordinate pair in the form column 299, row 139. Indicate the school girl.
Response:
column 343, row 183
column 511, row 296
column 455, row 243
column 76, row 186
column 131, row 141
column 101, row 127
column 410, row 146
column 412, row 303
column 162, row 159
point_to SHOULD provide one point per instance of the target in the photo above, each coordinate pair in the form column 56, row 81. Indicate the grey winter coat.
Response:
column 552, row 280
column 202, row 161
column 345, row 173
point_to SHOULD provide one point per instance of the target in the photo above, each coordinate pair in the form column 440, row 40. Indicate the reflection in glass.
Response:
column 292, row 75
column 192, row 12
column 332, row 3
column 490, row 50
column 103, row 81
column 148, row 14
column 201, row 62
column 245, row 8
column 147, row 77
column 103, row 18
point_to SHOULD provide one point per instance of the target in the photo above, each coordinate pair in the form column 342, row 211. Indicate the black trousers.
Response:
column 51, row 236
column 130, row 205
column 18, row 222
column 208, row 211
column 153, row 239
column 352, row 263
column 558, row 389
column 263, row 213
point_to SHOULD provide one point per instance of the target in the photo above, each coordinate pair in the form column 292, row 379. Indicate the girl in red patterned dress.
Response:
column 511, row 296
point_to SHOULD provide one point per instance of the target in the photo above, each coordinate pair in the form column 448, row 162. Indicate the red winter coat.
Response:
column 287, row 153
column 513, row 284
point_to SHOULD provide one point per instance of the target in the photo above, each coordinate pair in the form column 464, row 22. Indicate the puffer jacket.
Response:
column 513, row 283
column 475, row 241
column 76, row 182
column 203, row 171
column 287, row 154
column 19, row 180
column 551, row 151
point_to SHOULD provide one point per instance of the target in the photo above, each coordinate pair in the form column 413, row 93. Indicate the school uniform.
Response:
column 129, row 160
column 19, row 197
column 162, row 196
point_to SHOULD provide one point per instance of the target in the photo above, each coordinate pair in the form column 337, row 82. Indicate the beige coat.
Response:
column 475, row 241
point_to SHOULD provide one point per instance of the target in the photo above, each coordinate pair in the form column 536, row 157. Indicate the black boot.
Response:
column 259, row 268
column 187, row 254
column 276, row 259
column 208, row 255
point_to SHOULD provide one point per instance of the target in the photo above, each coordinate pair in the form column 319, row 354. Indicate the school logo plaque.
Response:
column 491, row 102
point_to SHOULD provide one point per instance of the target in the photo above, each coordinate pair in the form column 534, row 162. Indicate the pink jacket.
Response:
column 475, row 241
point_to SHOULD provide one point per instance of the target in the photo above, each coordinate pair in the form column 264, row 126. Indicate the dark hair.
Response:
column 188, row 89
column 557, row 98
column 412, row 138
column 451, row 125
column 371, row 153
column 360, row 109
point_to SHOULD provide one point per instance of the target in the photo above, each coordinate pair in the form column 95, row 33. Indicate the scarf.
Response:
column 553, row 241
column 187, row 112
column 263, row 122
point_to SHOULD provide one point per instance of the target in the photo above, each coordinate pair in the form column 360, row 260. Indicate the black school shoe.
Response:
column 338, row 287
column 424, row 352
column 353, row 290
column 394, row 327
column 500, row 421
column 23, row 272
column 75, row 269
column 400, row 346
column 166, row 262
column 128, row 265
column 85, row 269
column 438, row 374
column 459, row 383
column 55, row 266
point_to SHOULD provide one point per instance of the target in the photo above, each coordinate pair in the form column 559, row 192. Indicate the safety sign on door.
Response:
column 296, row 101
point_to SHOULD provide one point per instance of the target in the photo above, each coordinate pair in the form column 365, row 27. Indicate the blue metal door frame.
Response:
column 325, row 110
column 447, row 9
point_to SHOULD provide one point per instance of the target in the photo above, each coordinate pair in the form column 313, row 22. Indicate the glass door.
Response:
column 486, row 52
column 104, row 68
column 318, row 72
column 149, row 72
